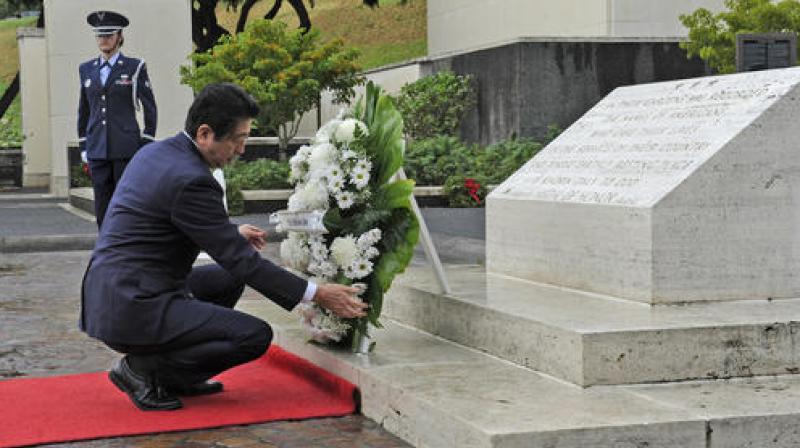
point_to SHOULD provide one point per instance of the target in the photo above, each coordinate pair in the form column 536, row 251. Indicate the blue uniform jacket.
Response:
column 107, row 126
column 167, row 206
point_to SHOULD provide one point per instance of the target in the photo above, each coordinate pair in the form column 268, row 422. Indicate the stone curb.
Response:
column 46, row 243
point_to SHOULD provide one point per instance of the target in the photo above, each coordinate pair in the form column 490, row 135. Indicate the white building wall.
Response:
column 462, row 25
column 159, row 33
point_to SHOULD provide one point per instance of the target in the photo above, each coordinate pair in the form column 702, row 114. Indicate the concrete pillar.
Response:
column 34, row 96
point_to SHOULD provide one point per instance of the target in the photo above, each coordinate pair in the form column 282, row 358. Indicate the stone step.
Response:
column 589, row 339
column 435, row 393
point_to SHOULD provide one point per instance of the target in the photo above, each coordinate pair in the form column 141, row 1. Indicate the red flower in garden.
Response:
column 472, row 188
column 86, row 170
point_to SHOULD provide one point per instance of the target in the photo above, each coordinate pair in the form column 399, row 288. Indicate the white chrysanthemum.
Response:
column 294, row 252
column 314, row 196
column 345, row 199
column 360, row 268
column 346, row 131
column 336, row 185
column 318, row 250
column 322, row 268
column 297, row 172
column 369, row 238
column 344, row 250
column 325, row 133
column 296, row 201
column 359, row 178
column 301, row 155
column 371, row 252
column 349, row 154
column 363, row 165
column 320, row 325
column 322, row 157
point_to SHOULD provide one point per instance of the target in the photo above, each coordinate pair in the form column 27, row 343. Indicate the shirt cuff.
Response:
column 308, row 296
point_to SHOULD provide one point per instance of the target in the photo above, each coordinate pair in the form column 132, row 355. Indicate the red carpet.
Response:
column 279, row 386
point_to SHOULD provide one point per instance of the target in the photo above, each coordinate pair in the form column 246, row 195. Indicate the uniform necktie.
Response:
column 105, row 70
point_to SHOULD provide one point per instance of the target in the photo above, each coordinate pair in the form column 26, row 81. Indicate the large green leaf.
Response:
column 394, row 195
column 397, row 247
column 373, row 93
column 385, row 142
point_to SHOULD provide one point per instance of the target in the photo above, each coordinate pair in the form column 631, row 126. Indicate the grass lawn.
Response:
column 11, row 123
column 9, row 58
column 393, row 32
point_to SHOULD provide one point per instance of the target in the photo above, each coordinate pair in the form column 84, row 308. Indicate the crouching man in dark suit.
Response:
column 142, row 297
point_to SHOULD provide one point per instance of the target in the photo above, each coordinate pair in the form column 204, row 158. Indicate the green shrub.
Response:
column 460, row 190
column 78, row 178
column 434, row 105
column 262, row 174
column 447, row 161
column 11, row 124
column 431, row 161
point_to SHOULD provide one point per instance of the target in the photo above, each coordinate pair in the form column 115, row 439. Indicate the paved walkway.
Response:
column 39, row 302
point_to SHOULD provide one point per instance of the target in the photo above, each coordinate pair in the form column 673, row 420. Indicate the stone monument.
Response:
column 669, row 192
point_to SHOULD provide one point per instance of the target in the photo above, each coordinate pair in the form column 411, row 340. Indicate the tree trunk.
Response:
column 248, row 5
column 302, row 14
column 205, row 28
column 9, row 95
column 274, row 10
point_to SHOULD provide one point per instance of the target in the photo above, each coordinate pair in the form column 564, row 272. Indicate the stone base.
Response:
column 589, row 339
column 434, row 393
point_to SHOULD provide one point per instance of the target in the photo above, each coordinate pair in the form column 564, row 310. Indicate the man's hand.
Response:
column 341, row 300
column 254, row 235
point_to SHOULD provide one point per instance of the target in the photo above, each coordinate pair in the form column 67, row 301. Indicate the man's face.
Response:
column 219, row 153
column 108, row 43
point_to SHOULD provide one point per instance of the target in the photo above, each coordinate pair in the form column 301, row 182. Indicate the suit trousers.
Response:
column 105, row 177
column 228, row 338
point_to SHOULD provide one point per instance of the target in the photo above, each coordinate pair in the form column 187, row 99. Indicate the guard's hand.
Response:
column 254, row 235
column 341, row 300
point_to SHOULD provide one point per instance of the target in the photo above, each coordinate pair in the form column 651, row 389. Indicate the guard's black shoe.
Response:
column 143, row 392
column 189, row 390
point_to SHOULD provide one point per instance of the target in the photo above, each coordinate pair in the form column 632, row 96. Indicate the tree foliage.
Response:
column 284, row 70
column 712, row 37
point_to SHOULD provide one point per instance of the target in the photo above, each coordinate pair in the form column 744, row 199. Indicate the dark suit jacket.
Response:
column 107, row 126
column 167, row 207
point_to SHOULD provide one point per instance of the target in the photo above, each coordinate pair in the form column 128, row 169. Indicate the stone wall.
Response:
column 524, row 87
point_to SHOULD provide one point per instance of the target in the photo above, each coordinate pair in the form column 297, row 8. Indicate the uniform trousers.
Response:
column 227, row 339
column 105, row 177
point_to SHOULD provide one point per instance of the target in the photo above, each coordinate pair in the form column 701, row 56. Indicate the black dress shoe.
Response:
column 143, row 392
column 189, row 390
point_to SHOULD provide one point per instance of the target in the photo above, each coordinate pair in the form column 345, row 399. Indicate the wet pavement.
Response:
column 39, row 303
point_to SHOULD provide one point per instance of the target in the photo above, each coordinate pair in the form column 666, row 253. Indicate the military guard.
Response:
column 113, row 88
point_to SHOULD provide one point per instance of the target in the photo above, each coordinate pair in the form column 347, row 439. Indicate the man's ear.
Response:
column 204, row 133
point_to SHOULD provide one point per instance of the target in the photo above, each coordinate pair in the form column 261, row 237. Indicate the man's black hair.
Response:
column 221, row 107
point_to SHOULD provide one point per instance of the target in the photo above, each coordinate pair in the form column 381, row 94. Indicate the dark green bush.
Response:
column 434, row 105
column 447, row 161
column 262, row 174
column 78, row 178
column 431, row 161
column 458, row 194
